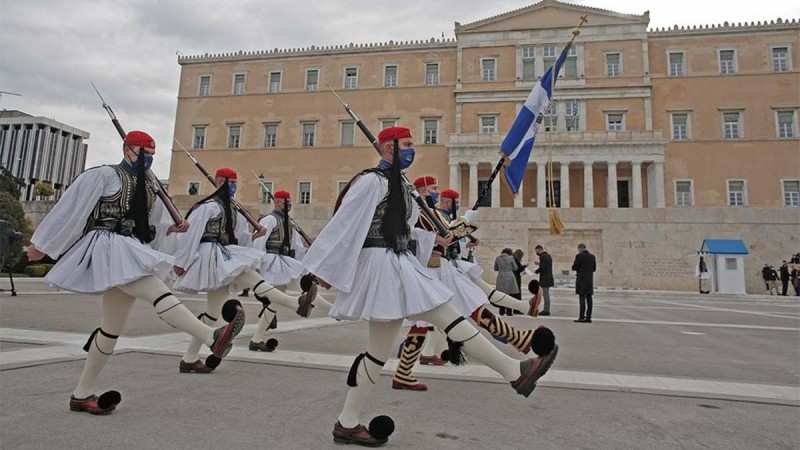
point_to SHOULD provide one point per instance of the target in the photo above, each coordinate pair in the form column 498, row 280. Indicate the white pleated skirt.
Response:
column 103, row 259
column 217, row 266
column 388, row 286
column 278, row 269
column 467, row 296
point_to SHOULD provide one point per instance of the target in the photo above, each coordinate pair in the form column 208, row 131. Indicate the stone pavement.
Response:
column 654, row 370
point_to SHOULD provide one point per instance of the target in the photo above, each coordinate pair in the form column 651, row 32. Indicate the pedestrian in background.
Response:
column 505, row 265
column 546, row 281
column 518, row 255
column 584, row 267
column 784, row 277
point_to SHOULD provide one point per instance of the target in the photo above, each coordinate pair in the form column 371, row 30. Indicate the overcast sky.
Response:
column 51, row 49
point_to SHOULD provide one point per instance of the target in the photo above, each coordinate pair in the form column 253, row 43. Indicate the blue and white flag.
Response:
column 518, row 142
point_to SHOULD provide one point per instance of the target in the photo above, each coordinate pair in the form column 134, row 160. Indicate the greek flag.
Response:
column 518, row 142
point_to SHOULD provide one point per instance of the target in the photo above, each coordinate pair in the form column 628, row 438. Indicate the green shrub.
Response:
column 36, row 270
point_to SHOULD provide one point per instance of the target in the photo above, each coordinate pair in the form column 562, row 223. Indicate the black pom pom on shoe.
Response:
column 229, row 309
column 381, row 427
column 272, row 343
column 213, row 361
column 306, row 281
column 543, row 341
column 109, row 399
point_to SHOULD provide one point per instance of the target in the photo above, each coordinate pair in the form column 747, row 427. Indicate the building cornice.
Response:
column 694, row 30
column 325, row 50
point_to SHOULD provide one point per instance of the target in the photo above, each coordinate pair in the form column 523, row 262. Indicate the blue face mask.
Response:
column 434, row 197
column 147, row 160
column 288, row 207
column 232, row 187
column 406, row 157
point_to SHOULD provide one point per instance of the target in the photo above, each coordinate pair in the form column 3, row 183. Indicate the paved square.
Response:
column 654, row 370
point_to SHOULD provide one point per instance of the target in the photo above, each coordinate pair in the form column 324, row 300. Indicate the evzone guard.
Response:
column 104, row 229
column 209, row 259
column 469, row 299
column 365, row 251
column 281, row 265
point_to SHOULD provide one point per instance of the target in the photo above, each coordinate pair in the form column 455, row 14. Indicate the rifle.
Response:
column 294, row 224
column 161, row 192
column 441, row 228
column 250, row 219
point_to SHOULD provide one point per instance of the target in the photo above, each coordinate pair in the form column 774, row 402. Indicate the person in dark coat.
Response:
column 518, row 255
column 546, row 280
column 584, row 266
column 784, row 277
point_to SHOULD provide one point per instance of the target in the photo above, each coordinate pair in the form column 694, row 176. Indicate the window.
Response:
column 727, row 62
column 780, row 59
column 340, row 187
column 791, row 192
column 430, row 128
column 573, row 115
column 194, row 188
column 550, row 117
column 348, row 134
column 431, row 74
column 528, row 63
column 613, row 65
column 309, row 130
column 275, row 81
column 304, row 188
column 234, row 136
column 615, row 121
column 680, row 126
column 238, row 83
column 205, row 86
column 785, row 124
column 683, row 193
column 390, row 76
column 271, row 134
column 736, row 193
column 571, row 63
column 676, row 64
column 351, row 77
column 488, row 70
column 731, row 125
column 386, row 123
column 264, row 197
column 488, row 124
column 312, row 79
column 199, row 140
column 730, row 264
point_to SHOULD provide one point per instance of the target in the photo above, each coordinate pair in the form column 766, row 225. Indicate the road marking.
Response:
column 693, row 333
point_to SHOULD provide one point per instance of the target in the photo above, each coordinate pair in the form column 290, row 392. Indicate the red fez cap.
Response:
column 140, row 139
column 448, row 193
column 392, row 133
column 425, row 181
column 283, row 194
column 224, row 172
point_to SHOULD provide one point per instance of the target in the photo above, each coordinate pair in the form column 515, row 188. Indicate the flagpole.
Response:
column 503, row 159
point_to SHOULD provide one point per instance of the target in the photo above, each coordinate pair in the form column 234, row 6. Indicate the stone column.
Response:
column 496, row 192
column 636, row 178
column 612, row 184
column 519, row 200
column 659, row 171
column 541, row 193
column 564, row 184
column 473, row 182
column 588, row 185
column 455, row 178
